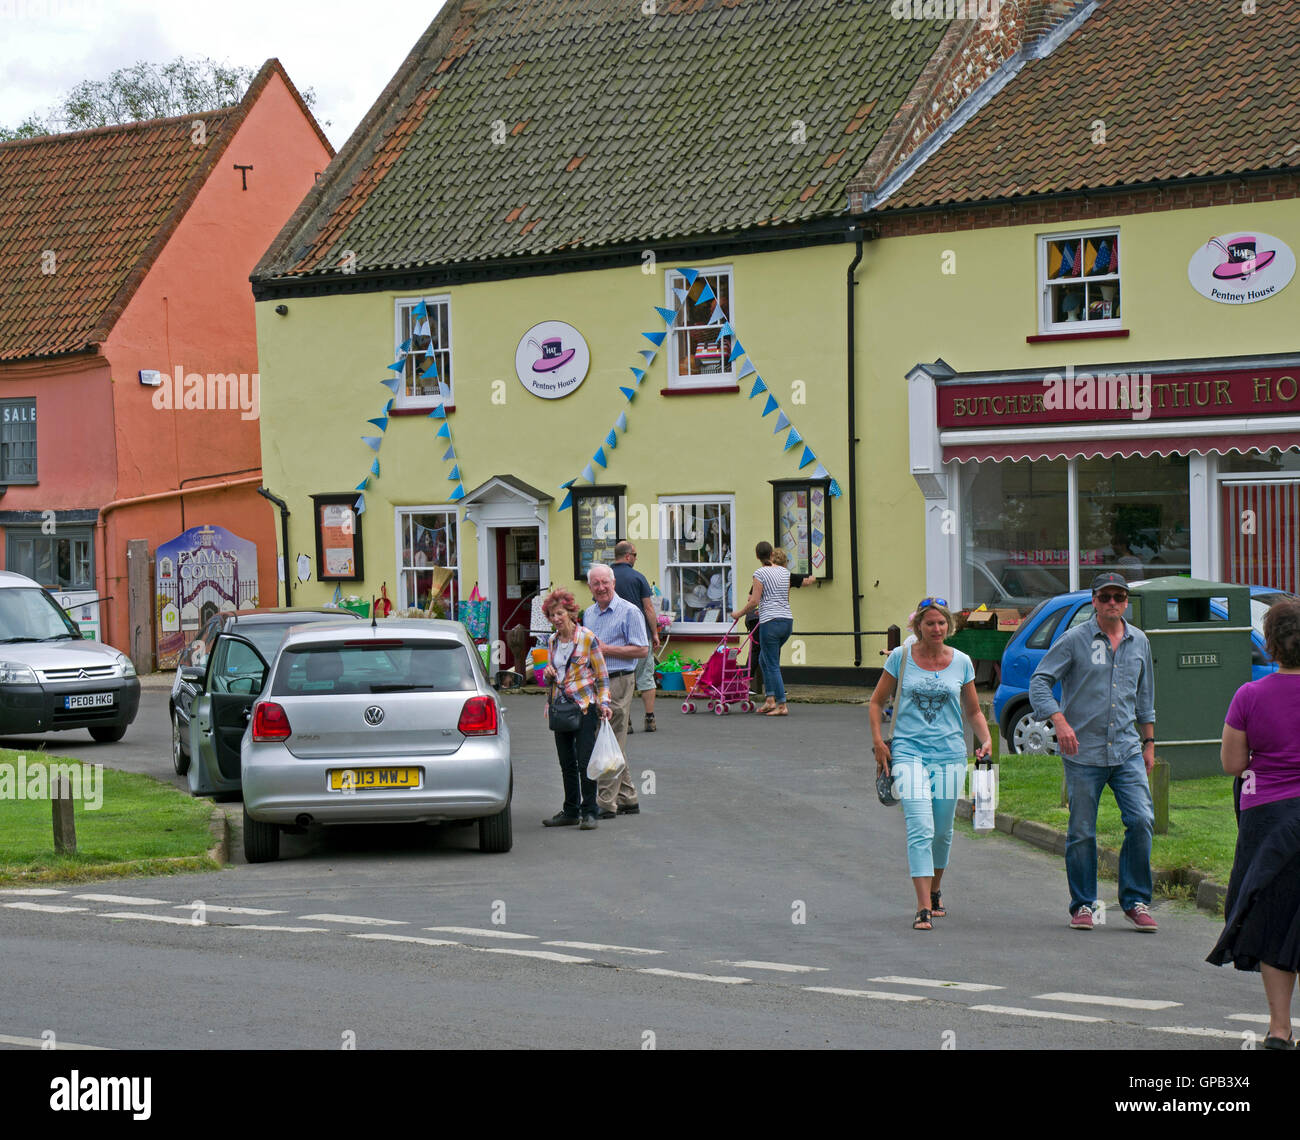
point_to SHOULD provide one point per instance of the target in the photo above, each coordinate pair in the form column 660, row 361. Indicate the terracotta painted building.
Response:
column 129, row 384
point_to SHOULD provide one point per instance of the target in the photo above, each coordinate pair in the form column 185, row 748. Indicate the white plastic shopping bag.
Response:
column 606, row 757
column 984, row 796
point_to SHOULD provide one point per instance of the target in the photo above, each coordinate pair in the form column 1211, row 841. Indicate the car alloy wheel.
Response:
column 180, row 761
column 1029, row 734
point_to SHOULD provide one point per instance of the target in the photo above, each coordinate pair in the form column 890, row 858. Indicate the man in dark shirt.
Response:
column 631, row 585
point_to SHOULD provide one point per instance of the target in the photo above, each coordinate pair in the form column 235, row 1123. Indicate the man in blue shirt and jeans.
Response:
column 1105, row 726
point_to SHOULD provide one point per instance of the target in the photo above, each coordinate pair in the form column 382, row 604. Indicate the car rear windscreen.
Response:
column 373, row 667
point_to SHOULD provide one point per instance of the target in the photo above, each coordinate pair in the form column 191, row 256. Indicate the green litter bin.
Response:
column 356, row 605
column 1201, row 650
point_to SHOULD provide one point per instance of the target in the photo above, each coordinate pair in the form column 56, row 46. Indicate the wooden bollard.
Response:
column 1159, row 782
column 65, row 824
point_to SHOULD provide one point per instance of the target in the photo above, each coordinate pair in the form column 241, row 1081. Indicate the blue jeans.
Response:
column 1128, row 781
column 771, row 636
column 929, row 790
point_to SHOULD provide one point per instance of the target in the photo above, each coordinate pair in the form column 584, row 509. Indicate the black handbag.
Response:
column 563, row 714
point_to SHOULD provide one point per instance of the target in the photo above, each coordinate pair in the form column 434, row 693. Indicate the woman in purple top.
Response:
column 1261, row 743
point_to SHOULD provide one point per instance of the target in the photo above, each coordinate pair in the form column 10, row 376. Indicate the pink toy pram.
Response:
column 724, row 681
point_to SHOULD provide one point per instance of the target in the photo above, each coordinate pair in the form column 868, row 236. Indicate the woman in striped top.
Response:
column 770, row 596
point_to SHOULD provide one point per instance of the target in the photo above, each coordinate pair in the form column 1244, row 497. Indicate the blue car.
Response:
column 1022, row 731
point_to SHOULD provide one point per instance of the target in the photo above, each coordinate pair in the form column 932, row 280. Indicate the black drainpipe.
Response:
column 284, row 538
column 855, row 233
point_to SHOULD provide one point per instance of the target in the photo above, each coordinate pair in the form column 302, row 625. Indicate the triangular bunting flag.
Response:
column 655, row 338
column 381, row 422
column 372, row 441
column 737, row 350
column 391, row 384
column 405, row 346
column 438, row 413
column 759, row 386
column 421, row 329
column 820, row 472
column 360, row 505
column 570, row 483
column 621, row 422
column 431, row 371
column 681, row 296
column 589, row 474
column 808, row 457
column 363, row 484
column 669, row 315
column 793, row 438
column 746, row 369
column 450, row 453
column 707, row 294
column 639, row 373
column 649, row 354
column 717, row 316
column 611, row 440
column 374, row 467
column 444, row 390
column 568, row 501
column 690, row 275
column 628, row 392
column 782, row 422
column 388, row 407
column 835, row 490
column 455, row 474
column 599, row 457
column 771, row 405
column 420, row 312
column 444, row 432
column 458, row 493
column 397, row 366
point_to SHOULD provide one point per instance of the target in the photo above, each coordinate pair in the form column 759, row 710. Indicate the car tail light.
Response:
column 270, row 722
column 478, row 717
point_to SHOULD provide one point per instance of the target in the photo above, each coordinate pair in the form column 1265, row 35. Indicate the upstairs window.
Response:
column 696, row 357
column 1079, row 273
column 424, row 345
column 17, row 441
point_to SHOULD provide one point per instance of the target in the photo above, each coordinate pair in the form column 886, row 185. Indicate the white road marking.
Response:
column 354, row 919
column 282, row 929
column 546, row 955
column 477, row 930
column 47, row 908
column 215, row 909
column 1258, row 1018
column 937, row 983
column 1034, row 1013
column 405, row 938
column 1198, row 1031
column 169, row 918
column 1098, row 999
column 37, row 1043
column 604, row 946
column 878, row 995
column 782, row 967
column 726, row 981
column 122, row 900
column 31, row 892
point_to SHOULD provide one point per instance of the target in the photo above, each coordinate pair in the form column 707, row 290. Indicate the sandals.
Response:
column 779, row 710
column 936, row 905
column 922, row 920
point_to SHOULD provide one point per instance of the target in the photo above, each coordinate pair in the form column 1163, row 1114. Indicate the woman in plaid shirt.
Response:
column 577, row 666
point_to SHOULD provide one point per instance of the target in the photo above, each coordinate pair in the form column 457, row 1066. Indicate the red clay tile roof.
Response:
column 686, row 122
column 1185, row 89
column 96, row 207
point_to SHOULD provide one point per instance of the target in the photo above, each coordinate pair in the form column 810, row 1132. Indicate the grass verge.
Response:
column 141, row 826
column 1202, row 828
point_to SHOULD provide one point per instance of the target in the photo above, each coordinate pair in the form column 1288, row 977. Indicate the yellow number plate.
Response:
column 364, row 779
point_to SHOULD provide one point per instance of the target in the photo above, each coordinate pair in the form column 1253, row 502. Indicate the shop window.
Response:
column 596, row 526
column 697, row 560
column 63, row 561
column 1080, row 281
column 429, row 345
column 801, row 522
column 697, row 358
column 1134, row 517
column 428, row 560
column 17, row 441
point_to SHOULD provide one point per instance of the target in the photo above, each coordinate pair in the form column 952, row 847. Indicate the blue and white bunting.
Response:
column 568, row 501
column 669, row 315
column 457, row 494
column 450, row 453
column 599, row 457
column 820, row 472
column 771, row 405
column 589, row 474
column 706, row 294
column 808, row 457
column 363, row 484
column 611, row 440
column 455, row 474
column 690, row 275
column 391, row 384
column 372, row 441
column 621, row 422
column 397, row 366
column 629, row 393
column 793, row 438
column 782, row 422
column 835, row 490
column 758, row 388
column 444, row 432
column 381, row 422
column 374, row 467
column 360, row 505
column 747, row 369
column 655, row 338
column 438, row 413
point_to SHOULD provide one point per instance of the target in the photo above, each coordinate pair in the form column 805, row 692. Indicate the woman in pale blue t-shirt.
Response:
column 927, row 756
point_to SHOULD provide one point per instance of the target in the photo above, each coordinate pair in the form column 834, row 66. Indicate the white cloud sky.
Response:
column 346, row 51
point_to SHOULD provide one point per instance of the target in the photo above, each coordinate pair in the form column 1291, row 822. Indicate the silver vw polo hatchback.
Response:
column 390, row 722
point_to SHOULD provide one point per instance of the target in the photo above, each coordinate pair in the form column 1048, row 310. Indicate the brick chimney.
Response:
column 1041, row 16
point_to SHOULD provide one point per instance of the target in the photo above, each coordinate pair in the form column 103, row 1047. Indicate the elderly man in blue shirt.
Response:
column 1105, row 725
column 620, row 627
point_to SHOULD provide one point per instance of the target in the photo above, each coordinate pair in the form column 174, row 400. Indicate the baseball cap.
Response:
column 1109, row 578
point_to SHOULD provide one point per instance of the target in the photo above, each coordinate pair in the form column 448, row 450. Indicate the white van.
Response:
column 50, row 678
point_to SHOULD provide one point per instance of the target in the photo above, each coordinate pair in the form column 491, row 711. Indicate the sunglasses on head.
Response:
column 1112, row 597
column 926, row 603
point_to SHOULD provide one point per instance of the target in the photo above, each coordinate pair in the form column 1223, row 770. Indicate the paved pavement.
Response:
column 761, row 899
